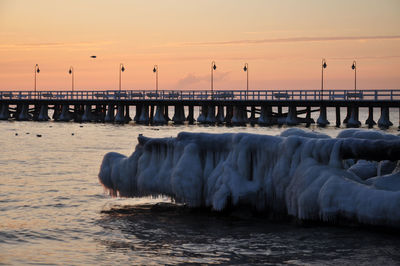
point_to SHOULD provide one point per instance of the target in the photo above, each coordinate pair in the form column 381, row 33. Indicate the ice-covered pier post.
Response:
column 353, row 120
column 322, row 119
column 159, row 118
column 120, row 117
column 4, row 112
column 384, row 121
column 266, row 107
column 370, row 120
column 179, row 116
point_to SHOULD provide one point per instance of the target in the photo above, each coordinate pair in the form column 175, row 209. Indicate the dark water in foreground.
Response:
column 53, row 210
column 166, row 232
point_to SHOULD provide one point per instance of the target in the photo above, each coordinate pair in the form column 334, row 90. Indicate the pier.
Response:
column 231, row 107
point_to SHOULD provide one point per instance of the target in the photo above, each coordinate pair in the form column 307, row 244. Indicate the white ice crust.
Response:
column 304, row 174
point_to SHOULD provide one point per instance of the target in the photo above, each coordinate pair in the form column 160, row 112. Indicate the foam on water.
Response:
column 304, row 174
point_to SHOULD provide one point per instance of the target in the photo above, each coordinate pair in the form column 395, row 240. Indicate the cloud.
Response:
column 367, row 57
column 191, row 80
column 30, row 46
column 294, row 39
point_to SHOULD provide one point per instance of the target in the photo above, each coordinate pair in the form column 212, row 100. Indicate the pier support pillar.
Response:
column 78, row 113
column 16, row 112
column 57, row 112
column 137, row 113
column 265, row 118
column 348, row 114
column 65, row 115
column 166, row 115
column 239, row 116
column 280, row 117
column 127, row 116
column 120, row 117
column 151, row 113
column 179, row 115
column 4, row 112
column 384, row 121
column 87, row 114
column 23, row 114
column 220, row 114
column 279, row 111
column 210, row 119
column 99, row 114
column 229, row 114
column 291, row 118
column 236, row 116
column 203, row 114
column 337, row 116
column 43, row 113
column 253, row 119
column 159, row 117
column 144, row 115
column 245, row 118
column 399, row 118
column 309, row 120
column 353, row 120
column 370, row 120
column 110, row 114
column 36, row 111
column 182, row 113
column 190, row 117
column 322, row 121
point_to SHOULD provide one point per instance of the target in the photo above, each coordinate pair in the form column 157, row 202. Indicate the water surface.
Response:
column 54, row 211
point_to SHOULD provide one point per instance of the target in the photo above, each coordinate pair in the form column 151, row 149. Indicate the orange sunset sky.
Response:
column 283, row 42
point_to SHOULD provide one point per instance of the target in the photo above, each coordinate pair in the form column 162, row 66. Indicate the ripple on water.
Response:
column 175, row 230
column 51, row 210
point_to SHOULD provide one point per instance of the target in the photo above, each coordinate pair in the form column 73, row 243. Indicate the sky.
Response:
column 282, row 41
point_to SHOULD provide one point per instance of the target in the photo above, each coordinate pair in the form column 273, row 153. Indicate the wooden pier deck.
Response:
column 222, row 106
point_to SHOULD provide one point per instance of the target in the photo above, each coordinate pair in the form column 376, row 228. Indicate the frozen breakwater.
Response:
column 307, row 175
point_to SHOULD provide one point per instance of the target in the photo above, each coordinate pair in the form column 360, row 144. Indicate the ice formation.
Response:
column 303, row 174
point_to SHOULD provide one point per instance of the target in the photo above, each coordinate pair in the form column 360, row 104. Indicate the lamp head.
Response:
column 353, row 66
column 324, row 65
column 214, row 67
column 122, row 68
column 70, row 71
column 245, row 68
column 154, row 69
column 38, row 70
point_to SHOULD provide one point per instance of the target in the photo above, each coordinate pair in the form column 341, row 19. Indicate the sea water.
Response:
column 54, row 211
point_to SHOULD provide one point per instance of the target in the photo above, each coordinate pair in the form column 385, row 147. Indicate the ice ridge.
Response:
column 304, row 174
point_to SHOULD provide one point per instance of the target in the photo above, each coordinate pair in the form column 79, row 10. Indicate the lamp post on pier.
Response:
column 155, row 70
column 213, row 67
column 324, row 65
column 354, row 67
column 71, row 72
column 246, row 69
column 121, row 69
column 37, row 70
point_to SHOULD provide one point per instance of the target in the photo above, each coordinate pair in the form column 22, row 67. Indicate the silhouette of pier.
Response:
column 233, row 107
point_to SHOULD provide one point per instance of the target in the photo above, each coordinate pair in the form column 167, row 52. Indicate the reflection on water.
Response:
column 168, row 233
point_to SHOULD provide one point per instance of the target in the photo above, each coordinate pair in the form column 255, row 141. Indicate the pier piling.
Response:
column 337, row 116
column 353, row 121
column 322, row 120
column 384, row 121
column 370, row 120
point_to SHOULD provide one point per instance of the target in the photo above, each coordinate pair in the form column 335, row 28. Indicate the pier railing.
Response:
column 203, row 95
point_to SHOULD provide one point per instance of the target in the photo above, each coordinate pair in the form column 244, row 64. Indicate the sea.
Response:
column 53, row 210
